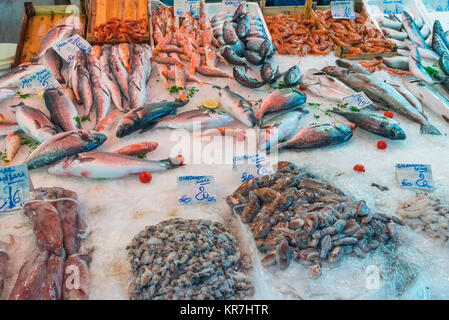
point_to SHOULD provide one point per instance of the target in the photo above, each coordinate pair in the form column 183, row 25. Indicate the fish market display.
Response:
column 295, row 216
column 58, row 227
column 121, row 30
column 428, row 216
column 188, row 259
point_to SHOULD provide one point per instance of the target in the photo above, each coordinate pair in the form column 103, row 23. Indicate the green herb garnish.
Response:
column 23, row 96
column 78, row 121
column 174, row 89
column 192, row 92
column 314, row 104
column 27, row 141
column 342, row 106
column 85, row 118
column 354, row 109
column 216, row 87
column 4, row 157
column 142, row 156
column 339, row 174
column 432, row 71
column 316, row 116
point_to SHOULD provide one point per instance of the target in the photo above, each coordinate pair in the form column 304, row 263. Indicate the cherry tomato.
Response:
column 382, row 145
column 145, row 177
column 302, row 88
column 359, row 168
column 178, row 160
column 388, row 114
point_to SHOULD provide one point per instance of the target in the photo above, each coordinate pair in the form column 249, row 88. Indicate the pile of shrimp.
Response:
column 377, row 65
column 294, row 34
column 359, row 35
column 121, row 30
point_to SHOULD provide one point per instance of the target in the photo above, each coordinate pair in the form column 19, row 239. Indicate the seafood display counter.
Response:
column 236, row 157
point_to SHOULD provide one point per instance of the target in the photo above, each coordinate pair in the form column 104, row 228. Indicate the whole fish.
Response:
column 188, row 120
column 381, row 92
column 109, row 79
column 415, row 66
column 138, row 78
column 389, row 23
column 281, row 99
column 258, row 34
column 267, row 49
column 438, row 44
column 107, row 165
column 239, row 13
column 427, row 54
column 243, row 28
column 13, row 143
column 244, row 80
column 7, row 127
column 73, row 74
column 268, row 74
column 237, row 106
column 438, row 29
column 400, row 44
column 318, row 136
column 212, row 72
column 398, row 62
column 102, row 97
column 234, row 58
column 425, row 32
column 63, row 111
column 5, row 93
column 430, row 97
column 34, row 123
column 292, row 76
column 147, row 116
column 210, row 56
column 394, row 34
column 323, row 85
column 444, row 63
column 238, row 48
column 63, row 145
column 254, row 44
column 412, row 30
column 170, row 75
column 180, row 81
column 54, row 63
column 374, row 123
column 229, row 34
column 254, row 58
column 279, row 128
column 11, row 78
column 85, row 89
column 409, row 96
column 119, row 71
column 351, row 66
column 53, row 36
column 138, row 148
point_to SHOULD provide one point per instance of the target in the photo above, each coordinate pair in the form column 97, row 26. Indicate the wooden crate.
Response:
column 36, row 22
column 102, row 11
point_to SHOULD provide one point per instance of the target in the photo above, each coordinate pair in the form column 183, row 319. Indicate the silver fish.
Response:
column 13, row 76
column 5, row 93
column 318, row 136
column 34, row 123
column 409, row 96
column 102, row 97
column 237, row 106
column 109, row 78
column 106, row 165
column 398, row 62
column 138, row 78
column 351, row 66
column 73, row 75
column 56, row 34
column 64, row 144
column 323, row 85
column 430, row 97
column 381, row 92
column 400, row 44
column 205, row 118
column 54, row 63
column 7, row 127
column 279, row 128
column 394, row 34
column 389, row 23
column 412, row 30
column 119, row 72
column 426, row 54
column 63, row 111
column 417, row 68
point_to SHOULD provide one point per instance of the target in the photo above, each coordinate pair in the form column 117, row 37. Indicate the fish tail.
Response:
column 427, row 128
column 170, row 165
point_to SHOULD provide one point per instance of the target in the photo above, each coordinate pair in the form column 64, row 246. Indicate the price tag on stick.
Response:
column 14, row 187
column 196, row 189
column 343, row 9
column 392, row 6
column 415, row 176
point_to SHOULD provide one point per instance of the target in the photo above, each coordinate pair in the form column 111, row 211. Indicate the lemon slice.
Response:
column 40, row 94
column 211, row 104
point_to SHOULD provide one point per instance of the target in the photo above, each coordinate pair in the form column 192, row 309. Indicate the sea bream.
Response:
column 205, row 119
column 34, row 122
column 100, row 92
column 145, row 117
column 11, row 78
column 63, row 145
column 53, row 36
column 318, row 136
column 281, row 99
column 107, row 165
column 381, row 92
column 237, row 106
column 323, row 85
column 374, row 123
column 63, row 111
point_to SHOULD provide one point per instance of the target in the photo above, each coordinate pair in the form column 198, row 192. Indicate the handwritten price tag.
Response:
column 392, row 6
column 251, row 166
column 68, row 48
column 38, row 81
column 231, row 5
column 181, row 7
column 358, row 100
column 415, row 176
column 343, row 9
column 14, row 187
column 196, row 189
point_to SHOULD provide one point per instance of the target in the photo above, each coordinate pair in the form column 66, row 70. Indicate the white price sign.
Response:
column 38, row 81
column 14, row 187
column 181, row 7
column 357, row 100
column 392, row 6
column 343, row 9
column 415, row 176
column 196, row 189
column 232, row 5
column 68, row 48
column 252, row 166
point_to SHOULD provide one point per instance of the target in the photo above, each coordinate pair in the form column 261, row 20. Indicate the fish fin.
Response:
column 37, row 124
column 170, row 165
column 446, row 118
column 86, row 159
column 427, row 128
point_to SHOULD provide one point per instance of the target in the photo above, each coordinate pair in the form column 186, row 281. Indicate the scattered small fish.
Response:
column 212, row 72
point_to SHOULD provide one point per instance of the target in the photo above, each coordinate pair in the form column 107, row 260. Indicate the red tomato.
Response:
column 145, row 177
column 359, row 168
column 382, row 145
column 302, row 88
column 388, row 114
